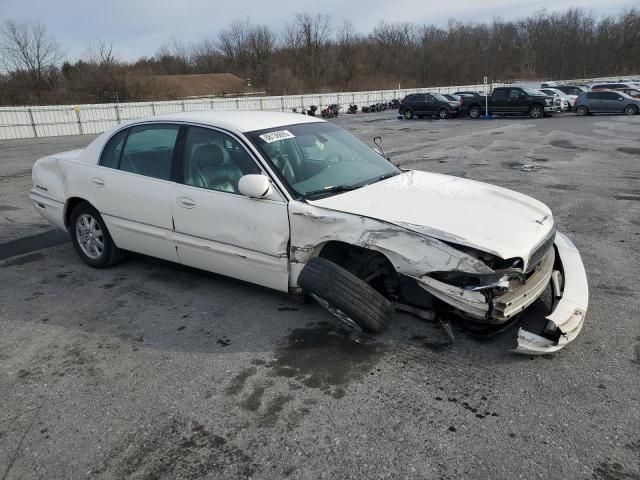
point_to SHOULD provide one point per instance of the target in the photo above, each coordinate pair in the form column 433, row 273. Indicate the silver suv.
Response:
column 606, row 102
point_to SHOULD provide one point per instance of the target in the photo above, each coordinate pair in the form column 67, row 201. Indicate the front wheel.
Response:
column 443, row 113
column 474, row 112
column 91, row 238
column 536, row 111
column 630, row 109
column 408, row 114
column 581, row 111
column 345, row 296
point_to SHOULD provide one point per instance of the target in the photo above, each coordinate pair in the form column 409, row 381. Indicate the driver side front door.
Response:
column 217, row 228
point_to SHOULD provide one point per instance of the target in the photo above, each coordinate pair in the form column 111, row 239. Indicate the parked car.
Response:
column 572, row 90
column 606, row 102
column 566, row 100
column 612, row 86
column 514, row 101
column 428, row 104
column 632, row 92
column 297, row 204
column 474, row 94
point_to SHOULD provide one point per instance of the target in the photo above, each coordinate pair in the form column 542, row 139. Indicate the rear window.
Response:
column 149, row 150
column 111, row 154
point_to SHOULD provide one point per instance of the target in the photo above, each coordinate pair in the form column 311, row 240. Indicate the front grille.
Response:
column 541, row 250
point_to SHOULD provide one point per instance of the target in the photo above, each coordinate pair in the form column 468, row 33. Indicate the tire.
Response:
column 474, row 112
column 99, row 249
column 630, row 110
column 581, row 111
column 443, row 114
column 408, row 114
column 536, row 111
column 346, row 296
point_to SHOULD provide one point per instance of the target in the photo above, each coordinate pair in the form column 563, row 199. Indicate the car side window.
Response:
column 610, row 96
column 148, row 150
column 501, row 94
column 215, row 160
column 110, row 156
column 514, row 93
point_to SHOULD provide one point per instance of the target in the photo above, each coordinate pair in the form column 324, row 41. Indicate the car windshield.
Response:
column 318, row 159
column 533, row 91
column 439, row 97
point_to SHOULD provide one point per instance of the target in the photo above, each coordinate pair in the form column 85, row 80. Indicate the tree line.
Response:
column 316, row 53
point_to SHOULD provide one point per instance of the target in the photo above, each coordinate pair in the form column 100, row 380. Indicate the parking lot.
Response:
column 152, row 370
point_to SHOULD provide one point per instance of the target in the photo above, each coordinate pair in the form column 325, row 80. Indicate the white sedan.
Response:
column 297, row 204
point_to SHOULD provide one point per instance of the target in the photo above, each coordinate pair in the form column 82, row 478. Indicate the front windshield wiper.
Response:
column 331, row 189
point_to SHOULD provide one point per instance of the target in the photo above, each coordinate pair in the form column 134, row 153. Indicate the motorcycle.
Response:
column 352, row 109
column 331, row 111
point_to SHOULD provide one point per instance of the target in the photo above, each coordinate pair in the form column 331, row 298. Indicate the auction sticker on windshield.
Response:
column 270, row 137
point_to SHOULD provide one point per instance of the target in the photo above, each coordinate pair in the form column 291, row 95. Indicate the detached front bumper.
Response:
column 563, row 324
column 566, row 320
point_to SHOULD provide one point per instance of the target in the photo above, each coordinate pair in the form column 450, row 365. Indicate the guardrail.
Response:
column 56, row 120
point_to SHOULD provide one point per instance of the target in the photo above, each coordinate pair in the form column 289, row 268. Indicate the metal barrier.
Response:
column 56, row 120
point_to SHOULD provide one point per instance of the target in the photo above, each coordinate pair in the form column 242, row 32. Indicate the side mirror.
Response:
column 620, row 99
column 254, row 186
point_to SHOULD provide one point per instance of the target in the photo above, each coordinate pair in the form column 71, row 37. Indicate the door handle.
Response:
column 185, row 202
column 98, row 182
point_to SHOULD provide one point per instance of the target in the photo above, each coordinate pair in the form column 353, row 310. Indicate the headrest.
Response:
column 208, row 156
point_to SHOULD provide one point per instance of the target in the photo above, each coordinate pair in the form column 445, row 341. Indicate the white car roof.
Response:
column 240, row 120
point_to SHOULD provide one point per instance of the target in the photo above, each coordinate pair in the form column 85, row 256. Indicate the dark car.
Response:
column 475, row 94
column 513, row 101
column 603, row 101
column 428, row 104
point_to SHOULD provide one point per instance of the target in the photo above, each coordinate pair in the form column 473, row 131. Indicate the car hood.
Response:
column 478, row 215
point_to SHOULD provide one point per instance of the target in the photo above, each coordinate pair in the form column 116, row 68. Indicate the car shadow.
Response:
column 148, row 303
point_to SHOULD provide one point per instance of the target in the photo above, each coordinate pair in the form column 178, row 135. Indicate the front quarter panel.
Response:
column 410, row 253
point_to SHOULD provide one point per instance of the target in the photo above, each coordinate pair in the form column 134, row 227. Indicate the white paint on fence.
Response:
column 55, row 120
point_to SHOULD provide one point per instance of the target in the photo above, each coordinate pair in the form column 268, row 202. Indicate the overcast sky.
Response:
column 139, row 27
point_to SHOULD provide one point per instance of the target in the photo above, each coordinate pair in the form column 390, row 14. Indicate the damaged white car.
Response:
column 297, row 204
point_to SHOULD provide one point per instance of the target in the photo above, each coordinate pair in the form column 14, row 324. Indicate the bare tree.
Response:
column 346, row 53
column 28, row 47
column 315, row 33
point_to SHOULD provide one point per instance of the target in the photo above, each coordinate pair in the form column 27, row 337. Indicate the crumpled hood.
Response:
column 453, row 209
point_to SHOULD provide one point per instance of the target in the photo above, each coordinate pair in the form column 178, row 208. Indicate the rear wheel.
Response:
column 408, row 114
column 536, row 111
column 630, row 109
column 346, row 296
column 474, row 112
column 443, row 113
column 581, row 111
column 91, row 238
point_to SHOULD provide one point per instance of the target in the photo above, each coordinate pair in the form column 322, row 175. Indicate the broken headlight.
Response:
column 500, row 279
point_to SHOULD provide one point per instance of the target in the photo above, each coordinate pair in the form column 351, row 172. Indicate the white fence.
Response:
column 50, row 121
